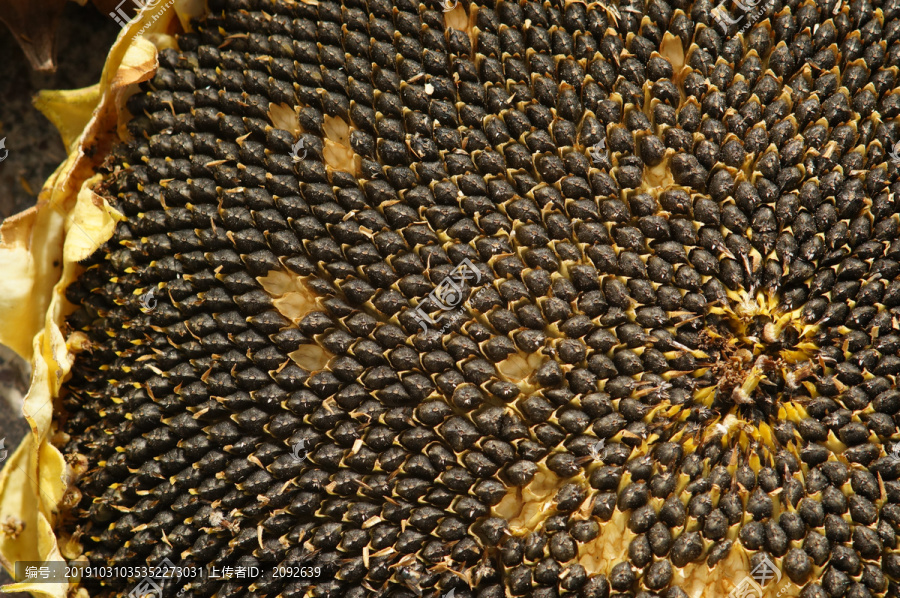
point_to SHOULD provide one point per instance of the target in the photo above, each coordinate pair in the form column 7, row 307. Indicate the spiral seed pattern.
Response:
column 673, row 356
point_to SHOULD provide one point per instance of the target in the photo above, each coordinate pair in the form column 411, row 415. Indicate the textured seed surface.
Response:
column 674, row 354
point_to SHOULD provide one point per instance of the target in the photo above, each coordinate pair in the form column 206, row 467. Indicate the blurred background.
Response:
column 83, row 36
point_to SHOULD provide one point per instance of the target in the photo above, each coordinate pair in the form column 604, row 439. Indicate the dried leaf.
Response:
column 33, row 24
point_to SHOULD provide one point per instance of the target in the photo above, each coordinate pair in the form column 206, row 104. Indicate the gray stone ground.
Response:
column 35, row 150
